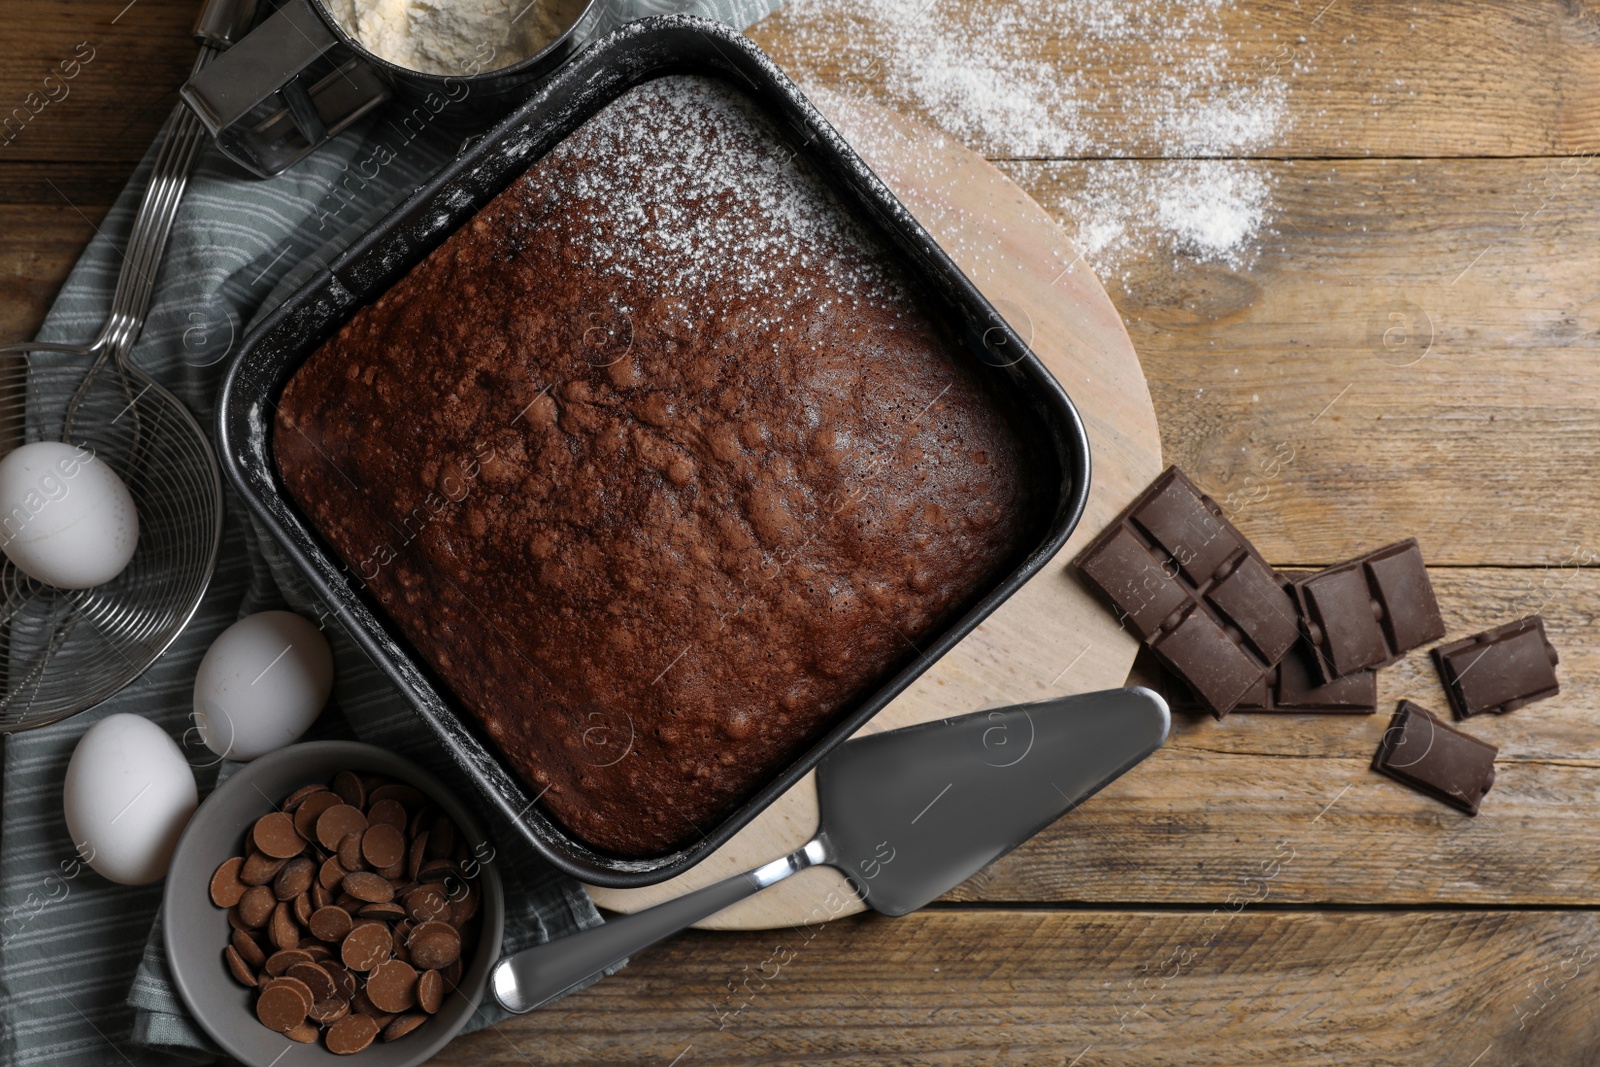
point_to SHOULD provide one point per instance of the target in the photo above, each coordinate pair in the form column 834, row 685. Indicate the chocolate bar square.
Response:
column 1189, row 584
column 1370, row 611
column 1213, row 664
column 1435, row 758
column 1292, row 688
column 1499, row 670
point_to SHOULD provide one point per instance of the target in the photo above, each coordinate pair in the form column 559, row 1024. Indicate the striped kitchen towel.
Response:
column 82, row 975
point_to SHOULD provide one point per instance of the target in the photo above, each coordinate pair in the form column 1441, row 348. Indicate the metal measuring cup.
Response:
column 299, row 79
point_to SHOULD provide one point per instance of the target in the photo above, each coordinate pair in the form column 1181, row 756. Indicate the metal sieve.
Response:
column 67, row 650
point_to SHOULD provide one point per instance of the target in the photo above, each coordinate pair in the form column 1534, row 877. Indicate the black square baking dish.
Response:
column 275, row 348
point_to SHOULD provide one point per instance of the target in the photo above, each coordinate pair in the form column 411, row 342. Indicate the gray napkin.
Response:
column 83, row 979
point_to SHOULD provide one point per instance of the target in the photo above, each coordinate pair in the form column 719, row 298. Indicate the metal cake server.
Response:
column 906, row 815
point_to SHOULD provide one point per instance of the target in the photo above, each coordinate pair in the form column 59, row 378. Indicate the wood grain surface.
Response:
column 1438, row 164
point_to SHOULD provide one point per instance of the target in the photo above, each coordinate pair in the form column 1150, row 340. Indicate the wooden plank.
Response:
column 37, row 250
column 1418, row 337
column 1378, row 78
column 1209, row 987
column 49, row 212
column 90, row 80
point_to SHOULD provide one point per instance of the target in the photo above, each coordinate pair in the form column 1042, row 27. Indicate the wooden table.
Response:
column 1254, row 894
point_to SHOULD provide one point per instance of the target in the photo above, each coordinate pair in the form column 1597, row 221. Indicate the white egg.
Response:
column 65, row 517
column 129, row 794
column 262, row 684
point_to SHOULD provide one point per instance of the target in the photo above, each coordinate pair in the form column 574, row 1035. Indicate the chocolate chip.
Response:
column 305, row 1033
column 372, row 888
column 419, row 847
column 330, row 874
column 392, row 986
column 343, row 980
column 465, row 904
column 279, row 962
column 359, row 890
column 315, row 978
column 259, row 868
column 293, row 800
column 276, row 836
column 387, row 813
column 305, row 819
column 435, row 945
column 226, row 888
column 330, row 923
column 283, row 931
column 403, row 1025
column 351, row 1034
column 280, row 1008
column 350, row 857
column 348, row 785
column 383, row 845
column 238, row 967
column 255, row 907
column 427, row 902
column 430, row 991
column 294, row 878
column 336, row 822
column 247, row 948
column 366, row 946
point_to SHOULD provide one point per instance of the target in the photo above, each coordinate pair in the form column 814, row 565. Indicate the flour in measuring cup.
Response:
column 460, row 37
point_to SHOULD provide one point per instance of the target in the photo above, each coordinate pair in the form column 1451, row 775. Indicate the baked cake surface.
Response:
column 658, row 463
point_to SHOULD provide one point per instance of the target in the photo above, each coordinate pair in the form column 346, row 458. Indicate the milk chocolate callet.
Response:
column 312, row 893
column 1435, row 758
column 661, row 463
column 1499, row 670
column 1370, row 611
column 1190, row 585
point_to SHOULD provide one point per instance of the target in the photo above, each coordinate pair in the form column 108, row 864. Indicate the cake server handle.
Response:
column 538, row 975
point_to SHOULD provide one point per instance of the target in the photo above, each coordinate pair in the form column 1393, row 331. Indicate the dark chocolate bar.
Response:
column 1369, row 612
column 1293, row 687
column 1290, row 687
column 1194, row 590
column 1435, row 758
column 1499, row 670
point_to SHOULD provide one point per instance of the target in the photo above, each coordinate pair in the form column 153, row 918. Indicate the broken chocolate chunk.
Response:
column 1435, row 758
column 1499, row 670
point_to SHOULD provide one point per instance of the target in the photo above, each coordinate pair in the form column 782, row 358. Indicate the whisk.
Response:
column 68, row 650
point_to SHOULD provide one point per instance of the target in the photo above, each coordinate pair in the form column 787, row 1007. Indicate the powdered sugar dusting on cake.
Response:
column 692, row 192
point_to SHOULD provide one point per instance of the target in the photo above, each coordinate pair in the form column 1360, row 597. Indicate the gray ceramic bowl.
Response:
column 196, row 931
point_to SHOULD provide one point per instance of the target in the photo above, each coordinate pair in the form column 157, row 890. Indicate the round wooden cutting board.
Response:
column 1050, row 638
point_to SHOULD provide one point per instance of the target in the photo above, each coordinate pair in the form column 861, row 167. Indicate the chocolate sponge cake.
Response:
column 659, row 462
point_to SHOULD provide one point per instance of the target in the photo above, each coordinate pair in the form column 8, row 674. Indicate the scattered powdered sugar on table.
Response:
column 1104, row 80
column 1208, row 209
